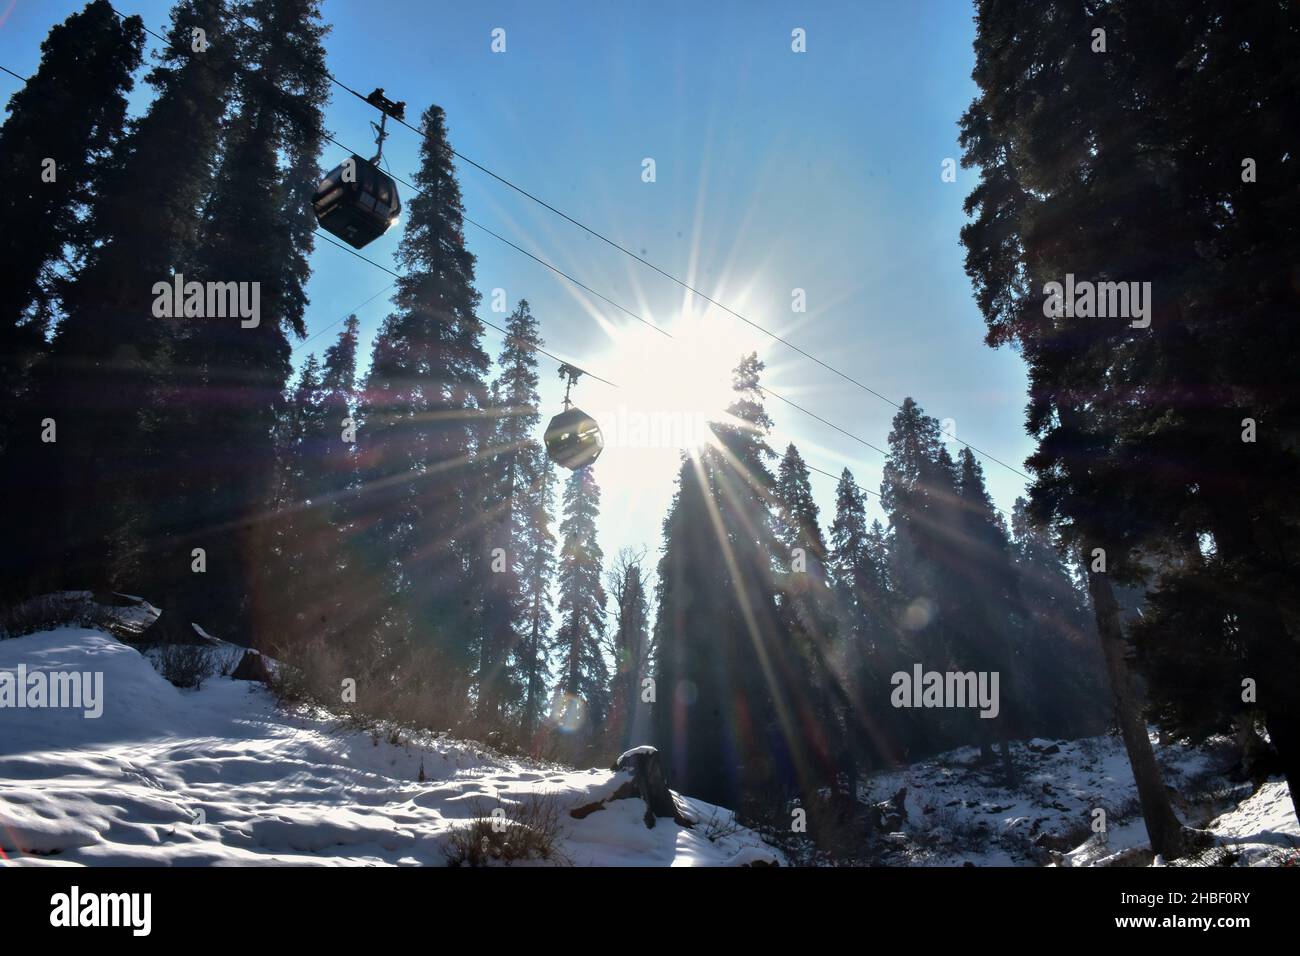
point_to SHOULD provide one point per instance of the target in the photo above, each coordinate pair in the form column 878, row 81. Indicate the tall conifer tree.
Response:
column 418, row 512
column 58, row 140
column 727, row 712
column 111, row 347
column 582, row 691
column 514, row 465
column 215, row 463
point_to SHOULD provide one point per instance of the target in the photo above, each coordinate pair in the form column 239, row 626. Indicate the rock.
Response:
column 891, row 814
column 126, row 616
column 941, row 836
column 1060, row 842
column 173, row 629
column 1054, row 749
column 252, row 666
column 587, row 809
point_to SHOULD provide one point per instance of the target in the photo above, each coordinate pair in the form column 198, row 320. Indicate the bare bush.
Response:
column 528, row 830
column 720, row 825
column 405, row 688
column 46, row 612
column 311, row 672
column 185, row 665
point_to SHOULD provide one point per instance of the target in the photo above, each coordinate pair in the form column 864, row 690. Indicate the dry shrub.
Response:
column 837, row 825
column 185, row 665
column 404, row 688
column 720, row 825
column 310, row 672
column 46, row 612
column 528, row 830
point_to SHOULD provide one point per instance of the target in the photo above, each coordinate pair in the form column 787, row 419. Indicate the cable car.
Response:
column 357, row 201
column 359, row 211
column 573, row 439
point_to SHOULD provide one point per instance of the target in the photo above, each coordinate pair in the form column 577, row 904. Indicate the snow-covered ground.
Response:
column 960, row 812
column 221, row 776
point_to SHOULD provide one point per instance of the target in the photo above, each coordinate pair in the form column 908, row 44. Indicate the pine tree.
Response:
column 538, row 574
column 799, row 527
column 696, row 659
column 292, row 551
column 420, row 542
column 917, row 492
column 989, row 617
column 339, row 401
column 807, row 604
column 1063, row 677
column 729, row 712
column 866, row 650
column 62, row 125
column 919, row 495
column 216, row 455
column 582, row 693
column 1223, row 342
column 62, row 128
column 1106, row 398
column 307, row 566
column 514, row 465
column 142, row 226
column 630, row 648
column 858, row 566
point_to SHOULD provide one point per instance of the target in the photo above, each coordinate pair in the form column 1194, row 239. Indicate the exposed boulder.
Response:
column 889, row 815
column 127, row 616
column 252, row 667
column 1060, row 842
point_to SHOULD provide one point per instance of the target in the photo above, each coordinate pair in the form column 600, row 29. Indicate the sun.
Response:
column 670, row 389
column 670, row 386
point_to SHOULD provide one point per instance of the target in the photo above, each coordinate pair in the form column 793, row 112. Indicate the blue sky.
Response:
column 774, row 171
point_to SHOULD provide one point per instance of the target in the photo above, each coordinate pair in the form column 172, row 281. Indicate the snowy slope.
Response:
column 220, row 776
column 961, row 813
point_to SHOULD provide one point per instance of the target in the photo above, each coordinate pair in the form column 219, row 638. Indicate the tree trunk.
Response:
column 1168, row 836
column 1271, row 657
column 1284, row 731
column 1271, row 652
column 1009, row 765
column 530, row 704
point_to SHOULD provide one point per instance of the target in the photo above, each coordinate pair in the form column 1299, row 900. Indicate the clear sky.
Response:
column 775, row 170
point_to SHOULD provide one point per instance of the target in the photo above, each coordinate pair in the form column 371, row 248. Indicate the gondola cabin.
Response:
column 573, row 439
column 357, row 208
